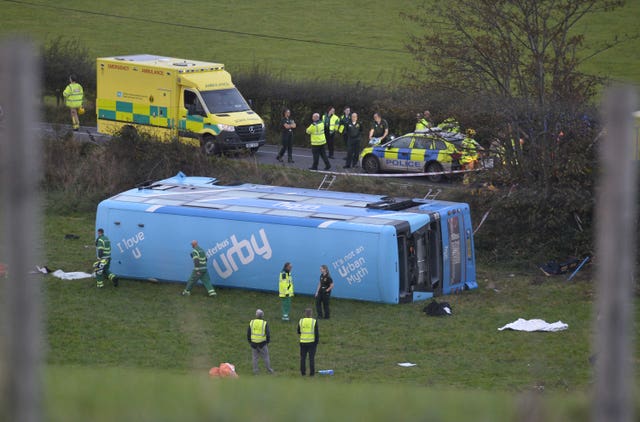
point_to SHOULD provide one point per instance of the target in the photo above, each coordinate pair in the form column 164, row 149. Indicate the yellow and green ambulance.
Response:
column 171, row 98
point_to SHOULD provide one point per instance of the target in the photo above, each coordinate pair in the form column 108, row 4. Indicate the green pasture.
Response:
column 142, row 351
column 352, row 41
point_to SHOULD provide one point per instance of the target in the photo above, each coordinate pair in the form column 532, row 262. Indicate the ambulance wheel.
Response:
column 129, row 132
column 434, row 167
column 209, row 145
column 370, row 164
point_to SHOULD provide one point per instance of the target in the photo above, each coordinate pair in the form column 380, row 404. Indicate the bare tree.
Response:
column 512, row 48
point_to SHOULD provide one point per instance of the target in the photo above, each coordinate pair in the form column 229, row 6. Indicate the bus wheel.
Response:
column 370, row 164
column 434, row 167
column 209, row 146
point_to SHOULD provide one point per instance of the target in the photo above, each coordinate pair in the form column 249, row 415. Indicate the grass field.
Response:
column 143, row 344
column 352, row 41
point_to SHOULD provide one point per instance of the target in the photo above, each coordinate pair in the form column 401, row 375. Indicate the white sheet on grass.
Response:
column 406, row 364
column 534, row 325
column 71, row 276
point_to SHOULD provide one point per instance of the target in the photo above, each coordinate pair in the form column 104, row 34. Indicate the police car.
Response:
column 417, row 152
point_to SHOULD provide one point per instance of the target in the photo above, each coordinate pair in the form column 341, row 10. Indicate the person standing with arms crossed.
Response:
column 73, row 98
column 323, row 292
column 309, row 339
column 199, row 272
column 259, row 337
column 286, row 125
column 103, row 252
column 285, row 287
column 318, row 141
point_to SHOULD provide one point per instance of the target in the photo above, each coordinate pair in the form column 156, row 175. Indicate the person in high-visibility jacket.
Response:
column 318, row 141
column 309, row 339
column 423, row 121
column 469, row 151
column 199, row 272
column 73, row 98
column 331, row 124
column 285, row 287
column 258, row 336
column 450, row 124
column 103, row 264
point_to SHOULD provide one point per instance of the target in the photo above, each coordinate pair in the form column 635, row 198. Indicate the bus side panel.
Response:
column 149, row 245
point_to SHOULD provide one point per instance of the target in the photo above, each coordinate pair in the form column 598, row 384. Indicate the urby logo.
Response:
column 231, row 252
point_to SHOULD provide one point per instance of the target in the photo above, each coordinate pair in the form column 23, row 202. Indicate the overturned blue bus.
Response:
column 377, row 248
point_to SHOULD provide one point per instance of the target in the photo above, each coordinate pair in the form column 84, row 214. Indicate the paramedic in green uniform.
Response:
column 102, row 265
column 199, row 271
column 285, row 288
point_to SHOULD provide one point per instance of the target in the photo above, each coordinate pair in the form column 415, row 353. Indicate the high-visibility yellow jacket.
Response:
column 422, row 124
column 258, row 330
column 286, row 284
column 331, row 122
column 307, row 330
column 73, row 95
column 316, row 130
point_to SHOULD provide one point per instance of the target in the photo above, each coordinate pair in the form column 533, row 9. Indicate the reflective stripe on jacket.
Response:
column 73, row 95
column 316, row 130
column 286, row 284
column 258, row 330
column 199, row 258
column 103, row 247
column 307, row 330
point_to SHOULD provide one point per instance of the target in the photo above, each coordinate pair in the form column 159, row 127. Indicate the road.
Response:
column 265, row 155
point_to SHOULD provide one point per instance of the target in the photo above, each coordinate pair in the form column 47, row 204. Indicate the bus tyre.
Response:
column 370, row 164
column 209, row 146
column 434, row 167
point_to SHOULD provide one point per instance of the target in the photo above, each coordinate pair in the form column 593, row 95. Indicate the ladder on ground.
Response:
column 432, row 194
column 327, row 181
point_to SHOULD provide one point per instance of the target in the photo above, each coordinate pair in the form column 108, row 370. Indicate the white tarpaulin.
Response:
column 534, row 325
column 70, row 276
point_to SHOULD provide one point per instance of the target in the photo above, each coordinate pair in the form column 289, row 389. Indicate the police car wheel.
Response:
column 370, row 164
column 434, row 167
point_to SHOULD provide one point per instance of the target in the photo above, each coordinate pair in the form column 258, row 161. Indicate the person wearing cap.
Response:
column 258, row 336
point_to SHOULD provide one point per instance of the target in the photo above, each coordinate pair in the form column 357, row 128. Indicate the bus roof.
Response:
column 197, row 195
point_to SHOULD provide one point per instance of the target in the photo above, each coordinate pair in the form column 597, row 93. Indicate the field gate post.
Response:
column 20, row 236
column 616, row 258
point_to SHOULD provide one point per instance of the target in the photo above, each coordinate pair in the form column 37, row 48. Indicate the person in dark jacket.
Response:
column 286, row 126
column 353, row 135
column 323, row 292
